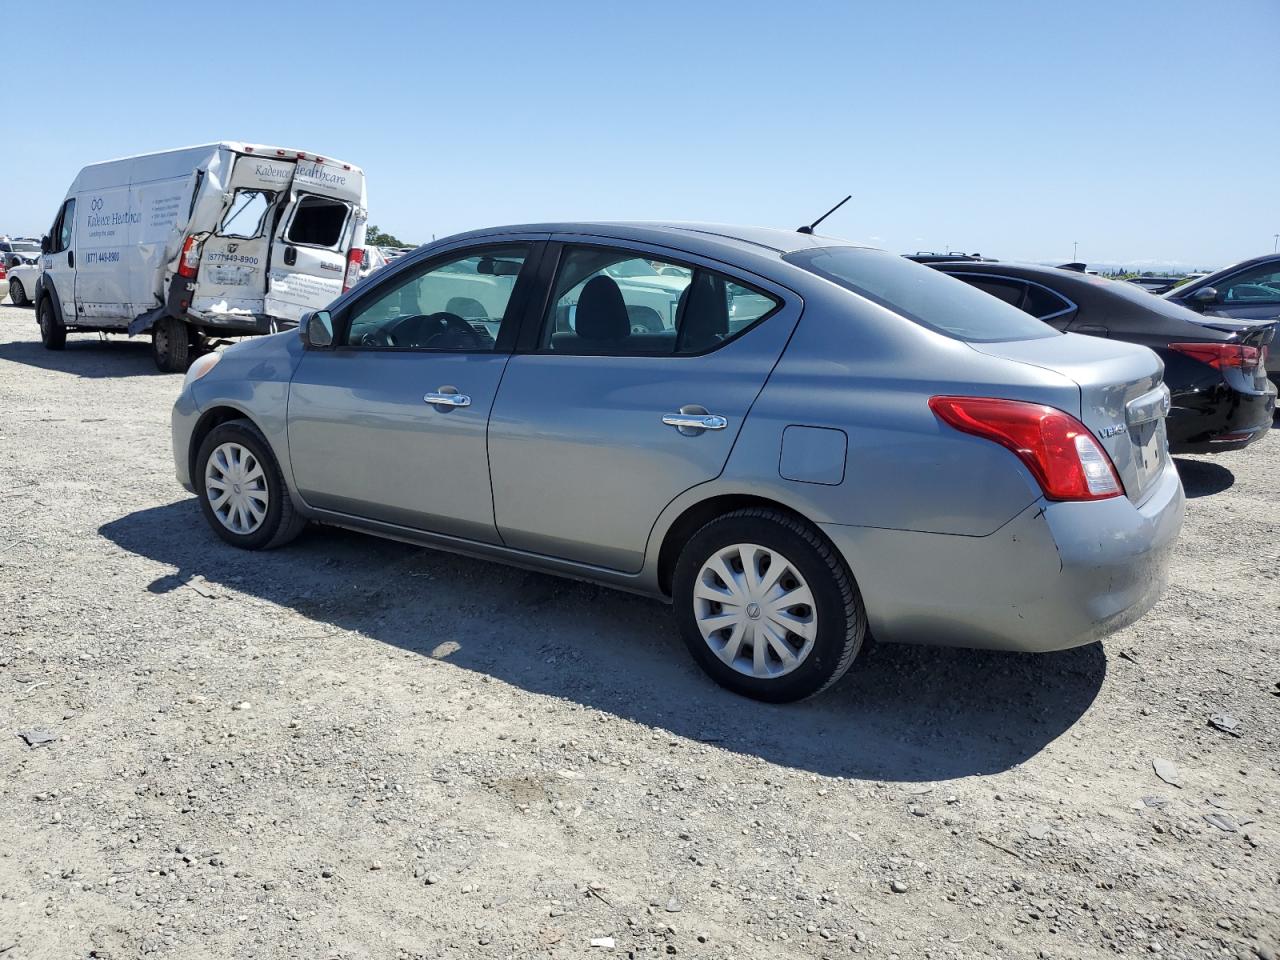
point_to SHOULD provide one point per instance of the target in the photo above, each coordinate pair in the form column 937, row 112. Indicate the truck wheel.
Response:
column 52, row 333
column 16, row 293
column 171, row 345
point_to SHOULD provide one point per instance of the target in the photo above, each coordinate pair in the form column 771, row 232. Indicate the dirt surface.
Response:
column 353, row 748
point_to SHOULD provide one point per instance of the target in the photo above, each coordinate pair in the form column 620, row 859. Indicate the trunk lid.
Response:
column 1122, row 399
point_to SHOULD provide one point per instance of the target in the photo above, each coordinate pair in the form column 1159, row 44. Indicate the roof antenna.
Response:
column 809, row 228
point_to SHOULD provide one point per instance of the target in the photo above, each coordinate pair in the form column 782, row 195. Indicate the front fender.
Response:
column 45, row 287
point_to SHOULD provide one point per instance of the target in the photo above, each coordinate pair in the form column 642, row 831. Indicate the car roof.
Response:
column 677, row 233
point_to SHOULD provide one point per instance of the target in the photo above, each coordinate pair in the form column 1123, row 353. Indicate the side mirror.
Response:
column 317, row 329
column 45, row 244
column 1205, row 295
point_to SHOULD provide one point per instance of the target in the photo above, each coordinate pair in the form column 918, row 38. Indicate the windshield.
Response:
column 922, row 295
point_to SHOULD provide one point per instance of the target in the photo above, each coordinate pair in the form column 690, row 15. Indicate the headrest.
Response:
column 602, row 313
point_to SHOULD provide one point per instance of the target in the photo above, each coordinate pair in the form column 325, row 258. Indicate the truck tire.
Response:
column 52, row 332
column 171, row 345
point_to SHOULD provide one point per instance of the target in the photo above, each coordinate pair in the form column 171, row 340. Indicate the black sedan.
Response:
column 1214, row 367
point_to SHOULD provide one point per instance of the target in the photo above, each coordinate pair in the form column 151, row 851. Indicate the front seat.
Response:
column 601, row 319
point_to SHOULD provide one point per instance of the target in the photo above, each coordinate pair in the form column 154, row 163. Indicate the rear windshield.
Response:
column 922, row 294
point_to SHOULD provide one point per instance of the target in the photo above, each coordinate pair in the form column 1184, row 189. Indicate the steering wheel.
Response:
column 378, row 337
column 456, row 335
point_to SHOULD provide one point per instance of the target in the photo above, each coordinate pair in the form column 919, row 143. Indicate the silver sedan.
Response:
column 797, row 441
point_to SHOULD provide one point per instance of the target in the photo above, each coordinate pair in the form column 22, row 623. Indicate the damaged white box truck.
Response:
column 199, row 244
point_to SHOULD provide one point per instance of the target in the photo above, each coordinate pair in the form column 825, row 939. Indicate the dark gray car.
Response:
column 792, row 439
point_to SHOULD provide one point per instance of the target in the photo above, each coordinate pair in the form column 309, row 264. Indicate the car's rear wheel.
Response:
column 242, row 491
column 171, row 345
column 16, row 293
column 52, row 332
column 767, row 606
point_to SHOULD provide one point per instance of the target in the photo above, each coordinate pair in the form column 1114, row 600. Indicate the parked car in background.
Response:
column 1216, row 374
column 17, row 252
column 222, row 240
column 927, row 256
column 1249, row 291
column 22, row 280
column 826, row 439
column 1153, row 284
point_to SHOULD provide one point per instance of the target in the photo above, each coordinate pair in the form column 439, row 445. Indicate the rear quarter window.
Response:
column 921, row 294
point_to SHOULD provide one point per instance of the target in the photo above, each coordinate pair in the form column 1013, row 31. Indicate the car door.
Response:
column 316, row 231
column 390, row 423
column 631, row 390
column 58, row 262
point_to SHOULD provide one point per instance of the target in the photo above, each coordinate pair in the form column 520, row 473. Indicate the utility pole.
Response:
column 1275, row 247
column 1074, row 245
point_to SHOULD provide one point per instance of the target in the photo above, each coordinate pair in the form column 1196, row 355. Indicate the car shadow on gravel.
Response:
column 85, row 356
column 1203, row 478
column 901, row 714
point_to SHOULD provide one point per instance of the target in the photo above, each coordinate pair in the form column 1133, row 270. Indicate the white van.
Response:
column 227, row 239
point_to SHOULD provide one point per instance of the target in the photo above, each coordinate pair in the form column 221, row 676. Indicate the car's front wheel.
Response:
column 16, row 293
column 52, row 332
column 767, row 606
column 242, row 490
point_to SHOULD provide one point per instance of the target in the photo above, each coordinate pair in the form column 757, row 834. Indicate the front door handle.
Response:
column 695, row 421
column 71, row 258
column 290, row 256
column 447, row 397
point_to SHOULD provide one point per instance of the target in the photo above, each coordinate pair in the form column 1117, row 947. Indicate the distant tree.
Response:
column 376, row 238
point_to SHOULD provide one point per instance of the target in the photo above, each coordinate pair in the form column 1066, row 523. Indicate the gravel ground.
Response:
column 353, row 748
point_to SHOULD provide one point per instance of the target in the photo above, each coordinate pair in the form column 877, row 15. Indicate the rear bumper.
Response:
column 240, row 325
column 1056, row 576
column 1214, row 421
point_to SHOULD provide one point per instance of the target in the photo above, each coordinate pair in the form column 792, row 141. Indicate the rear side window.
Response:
column 624, row 303
column 921, row 294
column 1043, row 303
column 318, row 222
column 1010, row 291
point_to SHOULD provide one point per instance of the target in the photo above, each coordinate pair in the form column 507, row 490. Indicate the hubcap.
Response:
column 236, row 486
column 755, row 610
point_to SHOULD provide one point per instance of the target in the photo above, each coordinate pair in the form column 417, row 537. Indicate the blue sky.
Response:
column 1144, row 131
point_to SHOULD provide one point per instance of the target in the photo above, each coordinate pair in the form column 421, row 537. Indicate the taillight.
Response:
column 1057, row 448
column 1221, row 355
column 189, row 259
column 355, row 257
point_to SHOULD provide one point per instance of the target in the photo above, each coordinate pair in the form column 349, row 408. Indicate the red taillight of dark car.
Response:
column 1058, row 449
column 1222, row 355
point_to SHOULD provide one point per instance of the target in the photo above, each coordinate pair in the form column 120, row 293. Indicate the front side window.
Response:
column 1257, row 285
column 64, row 227
column 245, row 217
column 622, row 303
column 458, row 304
column 318, row 222
column 921, row 294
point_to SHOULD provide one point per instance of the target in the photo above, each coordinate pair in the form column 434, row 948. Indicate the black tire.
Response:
column 282, row 522
column 16, row 293
column 52, row 332
column 841, row 617
column 171, row 345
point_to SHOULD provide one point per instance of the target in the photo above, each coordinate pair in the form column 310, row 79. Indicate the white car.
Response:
column 22, row 283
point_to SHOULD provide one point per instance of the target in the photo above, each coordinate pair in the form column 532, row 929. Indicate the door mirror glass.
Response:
column 1205, row 295
column 44, row 244
column 317, row 329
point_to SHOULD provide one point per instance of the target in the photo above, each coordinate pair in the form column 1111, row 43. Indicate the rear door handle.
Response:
column 447, row 397
column 695, row 421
